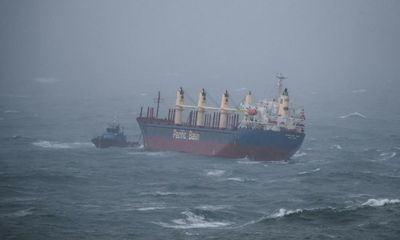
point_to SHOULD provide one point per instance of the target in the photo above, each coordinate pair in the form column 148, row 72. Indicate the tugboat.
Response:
column 113, row 137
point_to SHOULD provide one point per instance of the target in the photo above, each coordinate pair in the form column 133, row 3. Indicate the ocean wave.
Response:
column 159, row 193
column 329, row 212
column 246, row 161
column 148, row 153
column 20, row 213
column 299, row 154
column 308, row 172
column 354, row 114
column 213, row 207
column 11, row 111
column 18, row 199
column 387, row 155
column 380, row 202
column 145, row 209
column 236, row 179
column 337, row 146
column 58, row 145
column 283, row 212
column 19, row 137
column 215, row 173
column 193, row 220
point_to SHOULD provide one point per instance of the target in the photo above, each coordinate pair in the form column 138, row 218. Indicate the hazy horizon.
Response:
column 341, row 53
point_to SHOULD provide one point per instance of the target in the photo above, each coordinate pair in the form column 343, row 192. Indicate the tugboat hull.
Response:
column 100, row 142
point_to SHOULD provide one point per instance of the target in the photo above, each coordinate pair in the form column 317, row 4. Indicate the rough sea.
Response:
column 344, row 182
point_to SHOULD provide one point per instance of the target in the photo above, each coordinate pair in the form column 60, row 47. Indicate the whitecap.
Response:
column 192, row 220
column 380, row 202
column 143, row 209
column 312, row 171
column 337, row 146
column 159, row 193
column 47, row 144
column 215, row 173
column 283, row 212
column 354, row 114
column 387, row 155
column 236, row 179
column 212, row 207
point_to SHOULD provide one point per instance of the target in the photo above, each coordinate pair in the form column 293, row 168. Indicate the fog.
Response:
column 339, row 56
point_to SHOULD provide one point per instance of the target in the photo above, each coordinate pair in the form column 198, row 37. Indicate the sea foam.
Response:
column 143, row 209
column 299, row 154
column 387, row 155
column 212, row 207
column 215, row 173
column 380, row 202
column 193, row 220
column 308, row 172
column 354, row 114
column 58, row 145
column 283, row 212
column 337, row 146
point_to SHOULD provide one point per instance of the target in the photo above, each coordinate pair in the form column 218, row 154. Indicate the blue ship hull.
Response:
column 257, row 144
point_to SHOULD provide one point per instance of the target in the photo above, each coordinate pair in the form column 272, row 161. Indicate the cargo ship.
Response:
column 268, row 130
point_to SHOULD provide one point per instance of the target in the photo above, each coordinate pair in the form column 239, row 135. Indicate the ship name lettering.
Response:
column 185, row 135
column 194, row 136
column 179, row 134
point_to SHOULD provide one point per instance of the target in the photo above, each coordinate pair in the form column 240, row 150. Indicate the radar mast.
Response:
column 280, row 78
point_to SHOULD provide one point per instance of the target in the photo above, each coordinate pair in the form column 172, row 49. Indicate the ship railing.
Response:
column 270, row 126
column 211, row 119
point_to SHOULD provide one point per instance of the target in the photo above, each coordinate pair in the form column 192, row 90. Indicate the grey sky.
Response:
column 139, row 46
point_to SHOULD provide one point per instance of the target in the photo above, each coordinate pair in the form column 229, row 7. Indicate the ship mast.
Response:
column 158, row 100
column 280, row 78
column 158, row 103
